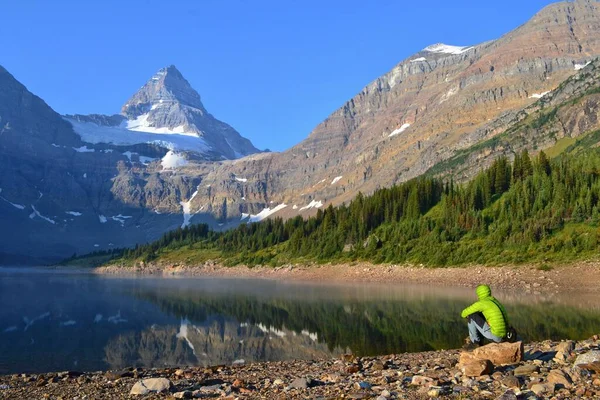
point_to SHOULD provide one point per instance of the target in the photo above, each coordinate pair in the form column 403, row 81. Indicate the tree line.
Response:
column 530, row 209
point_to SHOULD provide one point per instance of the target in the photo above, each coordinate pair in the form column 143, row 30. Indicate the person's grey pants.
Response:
column 478, row 328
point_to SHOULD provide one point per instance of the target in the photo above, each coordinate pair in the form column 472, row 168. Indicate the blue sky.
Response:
column 273, row 69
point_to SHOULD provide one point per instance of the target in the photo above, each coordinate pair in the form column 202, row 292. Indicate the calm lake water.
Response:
column 56, row 320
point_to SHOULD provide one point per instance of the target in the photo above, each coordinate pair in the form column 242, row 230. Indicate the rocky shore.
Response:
column 581, row 277
column 553, row 370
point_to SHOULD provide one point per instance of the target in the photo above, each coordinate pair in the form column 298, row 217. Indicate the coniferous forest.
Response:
column 529, row 210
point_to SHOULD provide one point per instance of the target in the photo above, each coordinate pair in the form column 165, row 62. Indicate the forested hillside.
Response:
column 531, row 210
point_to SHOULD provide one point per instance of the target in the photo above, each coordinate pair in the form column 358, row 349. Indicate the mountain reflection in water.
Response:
column 62, row 321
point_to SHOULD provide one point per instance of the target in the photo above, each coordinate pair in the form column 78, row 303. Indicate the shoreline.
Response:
column 580, row 277
column 545, row 369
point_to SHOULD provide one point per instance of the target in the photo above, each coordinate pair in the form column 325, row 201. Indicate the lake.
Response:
column 55, row 320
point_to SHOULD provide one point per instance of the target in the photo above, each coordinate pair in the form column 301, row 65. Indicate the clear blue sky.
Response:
column 273, row 69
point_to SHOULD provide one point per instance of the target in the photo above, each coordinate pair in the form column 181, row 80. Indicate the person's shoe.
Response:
column 469, row 345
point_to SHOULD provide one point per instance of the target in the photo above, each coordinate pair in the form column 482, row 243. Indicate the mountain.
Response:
column 166, row 111
column 427, row 108
column 165, row 162
column 82, row 183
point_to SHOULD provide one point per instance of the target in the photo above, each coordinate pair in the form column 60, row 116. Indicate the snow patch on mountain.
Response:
column 538, row 95
column 141, row 124
column 582, row 66
column 183, row 334
column 336, row 180
column 15, row 205
column 173, row 160
column 74, row 213
column 271, row 329
column 399, row 130
column 116, row 319
column 264, row 213
column 36, row 213
column 420, row 59
column 84, row 149
column 121, row 218
column 241, row 179
column 187, row 210
column 312, row 204
column 102, row 219
column 447, row 49
column 120, row 135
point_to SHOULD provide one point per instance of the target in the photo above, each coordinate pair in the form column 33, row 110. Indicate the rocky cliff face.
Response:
column 166, row 162
column 417, row 115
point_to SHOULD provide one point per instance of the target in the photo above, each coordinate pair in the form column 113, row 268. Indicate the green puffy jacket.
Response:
column 493, row 312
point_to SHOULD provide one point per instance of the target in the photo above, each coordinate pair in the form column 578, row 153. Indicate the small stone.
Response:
column 278, row 382
column 558, row 377
column 526, row 370
column 238, row 383
column 151, row 385
column 511, row 382
column 419, row 380
column 300, row 383
column 508, row 395
column 352, row 369
column 183, row 395
column 435, row 391
column 596, row 382
column 476, row 367
column 542, row 388
column 363, row 385
column 378, row 366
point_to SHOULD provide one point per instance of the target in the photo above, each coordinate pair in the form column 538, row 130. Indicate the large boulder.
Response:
column 473, row 367
column 151, row 385
column 499, row 353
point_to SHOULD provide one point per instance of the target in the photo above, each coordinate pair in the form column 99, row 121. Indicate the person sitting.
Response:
column 486, row 319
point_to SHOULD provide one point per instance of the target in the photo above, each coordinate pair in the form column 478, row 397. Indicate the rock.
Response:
column 352, row 369
column 508, row 395
column 559, row 377
column 183, row 395
column 588, row 358
column 474, row 368
column 151, row 385
column 300, row 383
column 238, row 383
column 278, row 382
column 593, row 366
column 511, row 382
column 378, row 366
column 419, row 380
column 500, row 353
column 564, row 350
column 526, row 370
column 542, row 388
column 363, row 385
column 436, row 391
